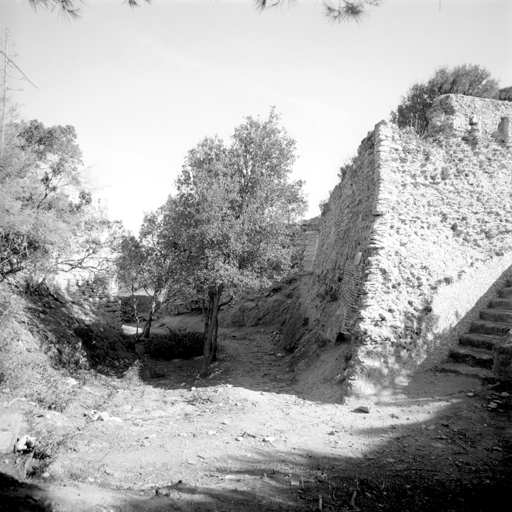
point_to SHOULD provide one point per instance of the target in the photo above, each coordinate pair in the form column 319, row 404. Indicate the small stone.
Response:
column 104, row 416
column 362, row 409
column 504, row 394
column 94, row 415
column 470, row 394
column 492, row 405
column 45, row 475
column 239, row 438
column 497, row 449
column 211, row 432
column 269, row 439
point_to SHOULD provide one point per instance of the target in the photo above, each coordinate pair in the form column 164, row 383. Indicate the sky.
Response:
column 143, row 86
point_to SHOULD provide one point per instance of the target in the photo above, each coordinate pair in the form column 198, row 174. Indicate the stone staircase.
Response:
column 473, row 355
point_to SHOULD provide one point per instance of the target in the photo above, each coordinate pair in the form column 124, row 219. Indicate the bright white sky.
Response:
column 144, row 86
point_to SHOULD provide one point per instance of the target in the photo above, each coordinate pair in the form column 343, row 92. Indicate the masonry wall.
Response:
column 325, row 309
column 414, row 238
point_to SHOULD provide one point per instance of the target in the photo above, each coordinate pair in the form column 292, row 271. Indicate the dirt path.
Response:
column 244, row 440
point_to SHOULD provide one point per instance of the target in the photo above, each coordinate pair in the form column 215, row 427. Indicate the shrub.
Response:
column 179, row 344
column 468, row 79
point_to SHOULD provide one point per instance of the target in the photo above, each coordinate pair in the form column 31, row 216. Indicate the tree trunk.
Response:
column 147, row 325
column 216, row 329
column 206, row 316
column 214, row 340
column 214, row 307
column 135, row 312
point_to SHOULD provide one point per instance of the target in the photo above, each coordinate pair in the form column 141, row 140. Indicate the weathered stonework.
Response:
column 413, row 239
column 451, row 114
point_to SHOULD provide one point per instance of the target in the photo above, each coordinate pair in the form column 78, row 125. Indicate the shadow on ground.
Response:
column 460, row 459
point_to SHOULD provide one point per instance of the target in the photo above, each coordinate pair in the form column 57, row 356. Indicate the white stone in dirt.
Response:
column 25, row 443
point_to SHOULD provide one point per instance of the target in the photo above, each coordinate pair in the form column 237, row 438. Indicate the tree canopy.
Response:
column 47, row 220
column 468, row 79
column 230, row 222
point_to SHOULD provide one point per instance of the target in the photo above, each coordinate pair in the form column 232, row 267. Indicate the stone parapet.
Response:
column 451, row 115
column 502, row 353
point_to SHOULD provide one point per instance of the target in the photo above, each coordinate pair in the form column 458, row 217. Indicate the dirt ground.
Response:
column 245, row 440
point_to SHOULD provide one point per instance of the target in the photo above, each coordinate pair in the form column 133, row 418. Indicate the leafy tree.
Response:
column 468, row 79
column 47, row 220
column 229, row 224
column 129, row 262
column 57, row 154
column 147, row 264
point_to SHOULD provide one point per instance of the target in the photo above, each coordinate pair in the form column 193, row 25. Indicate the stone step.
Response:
column 501, row 303
column 479, row 340
column 492, row 328
column 497, row 315
column 505, row 292
column 472, row 357
column 468, row 371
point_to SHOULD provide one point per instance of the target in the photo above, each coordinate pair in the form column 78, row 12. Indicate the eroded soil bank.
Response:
column 245, row 440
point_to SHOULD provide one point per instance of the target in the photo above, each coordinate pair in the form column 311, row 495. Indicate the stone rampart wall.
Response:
column 416, row 232
column 326, row 307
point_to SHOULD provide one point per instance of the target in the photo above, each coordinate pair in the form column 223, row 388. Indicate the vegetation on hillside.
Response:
column 468, row 79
